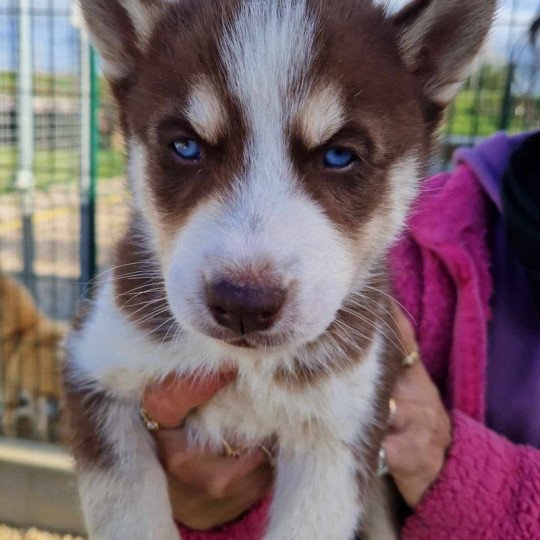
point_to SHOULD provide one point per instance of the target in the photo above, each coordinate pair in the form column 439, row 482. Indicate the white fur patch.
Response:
column 321, row 116
column 111, row 510
column 318, row 428
column 113, row 355
column 268, row 48
column 117, row 354
column 205, row 111
column 144, row 16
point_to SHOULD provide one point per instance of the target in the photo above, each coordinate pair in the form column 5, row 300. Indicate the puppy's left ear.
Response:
column 439, row 39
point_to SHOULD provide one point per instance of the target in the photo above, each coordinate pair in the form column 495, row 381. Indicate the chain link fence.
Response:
column 62, row 198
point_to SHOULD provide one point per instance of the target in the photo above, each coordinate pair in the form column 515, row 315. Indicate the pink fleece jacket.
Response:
column 489, row 487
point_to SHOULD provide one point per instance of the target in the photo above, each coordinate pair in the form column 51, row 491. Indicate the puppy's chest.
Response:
column 334, row 411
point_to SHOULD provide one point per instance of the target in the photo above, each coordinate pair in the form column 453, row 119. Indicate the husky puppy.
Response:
column 275, row 147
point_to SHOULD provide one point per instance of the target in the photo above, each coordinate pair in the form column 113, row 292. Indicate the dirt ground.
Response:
column 56, row 224
column 8, row 533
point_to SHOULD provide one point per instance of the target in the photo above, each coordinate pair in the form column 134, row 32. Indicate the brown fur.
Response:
column 81, row 414
column 392, row 73
column 80, row 411
column 139, row 291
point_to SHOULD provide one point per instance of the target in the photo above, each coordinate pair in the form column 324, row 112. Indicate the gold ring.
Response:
column 411, row 359
column 149, row 423
column 153, row 425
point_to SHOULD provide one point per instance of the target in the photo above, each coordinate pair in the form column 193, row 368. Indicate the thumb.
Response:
column 170, row 401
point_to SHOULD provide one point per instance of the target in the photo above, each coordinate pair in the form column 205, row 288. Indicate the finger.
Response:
column 255, row 476
column 172, row 447
column 216, row 476
column 198, row 466
column 170, row 401
column 196, row 511
column 402, row 454
column 255, row 486
column 404, row 413
column 415, row 384
column 410, row 415
column 394, row 448
column 409, row 383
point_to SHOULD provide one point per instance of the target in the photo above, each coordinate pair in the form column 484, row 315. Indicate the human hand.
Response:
column 420, row 428
column 206, row 490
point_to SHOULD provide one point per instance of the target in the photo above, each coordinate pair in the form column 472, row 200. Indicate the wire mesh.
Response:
column 41, row 239
column 40, row 213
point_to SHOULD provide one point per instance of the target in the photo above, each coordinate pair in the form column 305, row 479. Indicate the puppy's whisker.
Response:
column 390, row 297
column 399, row 344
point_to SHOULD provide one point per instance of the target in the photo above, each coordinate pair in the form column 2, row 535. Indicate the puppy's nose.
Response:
column 244, row 308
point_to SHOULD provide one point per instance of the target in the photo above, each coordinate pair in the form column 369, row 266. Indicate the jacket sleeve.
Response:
column 489, row 488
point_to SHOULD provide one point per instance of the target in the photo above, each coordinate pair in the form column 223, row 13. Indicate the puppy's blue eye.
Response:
column 338, row 158
column 187, row 149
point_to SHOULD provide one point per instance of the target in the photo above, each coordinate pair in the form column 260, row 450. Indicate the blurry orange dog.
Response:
column 29, row 360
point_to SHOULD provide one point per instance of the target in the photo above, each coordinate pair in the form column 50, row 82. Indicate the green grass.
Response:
column 480, row 115
column 57, row 167
column 42, row 83
column 8, row 82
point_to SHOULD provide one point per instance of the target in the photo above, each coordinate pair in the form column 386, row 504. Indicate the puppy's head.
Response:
column 275, row 146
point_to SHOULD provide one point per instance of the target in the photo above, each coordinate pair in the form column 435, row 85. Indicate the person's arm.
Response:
column 462, row 480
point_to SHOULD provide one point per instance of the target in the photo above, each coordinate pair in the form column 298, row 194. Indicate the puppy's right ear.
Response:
column 120, row 30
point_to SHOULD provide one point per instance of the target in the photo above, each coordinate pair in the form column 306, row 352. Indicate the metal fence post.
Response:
column 25, row 173
column 506, row 106
column 89, row 151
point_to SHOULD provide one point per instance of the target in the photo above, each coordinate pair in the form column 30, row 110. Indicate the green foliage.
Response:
column 57, row 167
column 43, row 84
column 478, row 114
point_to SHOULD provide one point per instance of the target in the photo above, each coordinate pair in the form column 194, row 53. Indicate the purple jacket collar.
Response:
column 489, row 161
